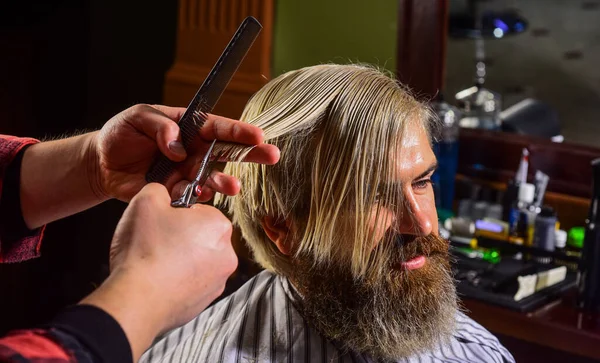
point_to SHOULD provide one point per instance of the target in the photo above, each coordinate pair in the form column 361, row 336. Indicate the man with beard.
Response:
column 346, row 228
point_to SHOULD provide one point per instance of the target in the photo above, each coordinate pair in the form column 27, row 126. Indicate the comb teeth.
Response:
column 191, row 125
column 161, row 171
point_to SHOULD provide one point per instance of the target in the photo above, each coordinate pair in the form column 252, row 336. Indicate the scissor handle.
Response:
column 189, row 197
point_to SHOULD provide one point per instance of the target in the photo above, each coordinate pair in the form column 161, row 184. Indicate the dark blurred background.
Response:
column 69, row 65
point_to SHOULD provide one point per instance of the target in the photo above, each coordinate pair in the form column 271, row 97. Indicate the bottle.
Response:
column 521, row 176
column 575, row 238
column 518, row 233
column 510, row 197
column 541, row 183
column 459, row 226
column 494, row 211
column 544, row 234
column 524, row 199
column 560, row 241
column 589, row 267
column 446, row 151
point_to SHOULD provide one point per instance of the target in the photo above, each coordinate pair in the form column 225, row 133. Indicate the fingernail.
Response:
column 177, row 148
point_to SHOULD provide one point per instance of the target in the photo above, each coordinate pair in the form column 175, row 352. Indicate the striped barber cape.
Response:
column 258, row 323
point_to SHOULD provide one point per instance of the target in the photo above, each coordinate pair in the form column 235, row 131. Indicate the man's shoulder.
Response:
column 235, row 308
column 248, row 294
column 469, row 328
column 472, row 334
column 220, row 329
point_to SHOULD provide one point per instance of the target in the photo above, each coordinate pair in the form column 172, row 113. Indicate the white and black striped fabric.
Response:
column 258, row 323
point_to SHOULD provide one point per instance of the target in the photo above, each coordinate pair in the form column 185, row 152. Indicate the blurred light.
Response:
column 489, row 106
column 519, row 27
column 488, row 226
column 498, row 33
column 449, row 117
column 466, row 93
column 498, row 23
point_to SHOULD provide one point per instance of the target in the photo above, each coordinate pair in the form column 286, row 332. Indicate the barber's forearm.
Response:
column 136, row 304
column 57, row 180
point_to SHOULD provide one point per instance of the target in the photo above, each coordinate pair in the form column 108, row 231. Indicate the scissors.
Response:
column 194, row 189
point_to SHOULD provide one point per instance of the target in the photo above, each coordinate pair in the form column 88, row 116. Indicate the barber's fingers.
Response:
column 220, row 128
column 207, row 194
column 217, row 182
column 226, row 129
column 178, row 189
column 263, row 154
column 174, row 113
column 222, row 183
column 161, row 128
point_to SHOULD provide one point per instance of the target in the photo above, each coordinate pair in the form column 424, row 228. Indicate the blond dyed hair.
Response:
column 338, row 127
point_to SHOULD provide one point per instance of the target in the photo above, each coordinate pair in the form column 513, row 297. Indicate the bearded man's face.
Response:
column 411, row 306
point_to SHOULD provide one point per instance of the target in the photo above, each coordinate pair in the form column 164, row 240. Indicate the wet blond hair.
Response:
column 336, row 127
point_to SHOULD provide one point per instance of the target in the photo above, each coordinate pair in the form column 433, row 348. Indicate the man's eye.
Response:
column 422, row 184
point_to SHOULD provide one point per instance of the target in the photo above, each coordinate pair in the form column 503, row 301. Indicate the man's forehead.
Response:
column 415, row 155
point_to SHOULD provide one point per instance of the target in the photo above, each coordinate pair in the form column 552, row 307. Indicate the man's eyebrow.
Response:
column 397, row 184
column 430, row 169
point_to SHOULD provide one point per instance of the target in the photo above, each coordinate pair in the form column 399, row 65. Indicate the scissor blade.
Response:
column 204, row 170
column 209, row 93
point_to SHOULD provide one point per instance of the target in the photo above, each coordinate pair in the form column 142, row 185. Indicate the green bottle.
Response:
column 489, row 255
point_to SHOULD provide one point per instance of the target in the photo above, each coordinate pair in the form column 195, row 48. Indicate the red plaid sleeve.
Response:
column 79, row 333
column 25, row 245
column 35, row 346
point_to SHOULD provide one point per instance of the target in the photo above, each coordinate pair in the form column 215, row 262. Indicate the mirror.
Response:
column 543, row 68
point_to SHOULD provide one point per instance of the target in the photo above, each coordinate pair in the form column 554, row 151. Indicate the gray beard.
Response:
column 409, row 313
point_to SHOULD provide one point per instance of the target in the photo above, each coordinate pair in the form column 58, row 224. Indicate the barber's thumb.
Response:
column 169, row 143
column 154, row 190
column 178, row 189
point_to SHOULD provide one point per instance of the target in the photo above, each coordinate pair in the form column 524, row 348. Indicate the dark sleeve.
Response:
column 81, row 333
column 17, row 242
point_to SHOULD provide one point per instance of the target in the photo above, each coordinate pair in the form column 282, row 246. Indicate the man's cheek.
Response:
column 380, row 225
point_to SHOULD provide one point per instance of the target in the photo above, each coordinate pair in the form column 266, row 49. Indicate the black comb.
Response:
column 208, row 95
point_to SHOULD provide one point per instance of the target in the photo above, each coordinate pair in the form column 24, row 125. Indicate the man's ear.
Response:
column 279, row 233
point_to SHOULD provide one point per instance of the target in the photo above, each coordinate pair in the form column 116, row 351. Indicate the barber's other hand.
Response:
column 167, row 265
column 127, row 145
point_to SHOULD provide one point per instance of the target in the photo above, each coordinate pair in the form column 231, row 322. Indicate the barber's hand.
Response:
column 167, row 265
column 127, row 145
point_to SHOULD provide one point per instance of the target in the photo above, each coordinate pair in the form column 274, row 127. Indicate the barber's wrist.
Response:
column 136, row 304
column 93, row 168
column 58, row 179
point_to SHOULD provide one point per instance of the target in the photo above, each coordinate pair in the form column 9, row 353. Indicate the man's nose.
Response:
column 416, row 218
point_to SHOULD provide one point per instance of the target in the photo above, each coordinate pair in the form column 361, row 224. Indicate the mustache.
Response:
column 411, row 246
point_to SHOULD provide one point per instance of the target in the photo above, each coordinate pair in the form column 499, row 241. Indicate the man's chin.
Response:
column 411, row 312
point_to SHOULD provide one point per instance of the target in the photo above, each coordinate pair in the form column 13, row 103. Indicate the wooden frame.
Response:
column 421, row 47
column 204, row 29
